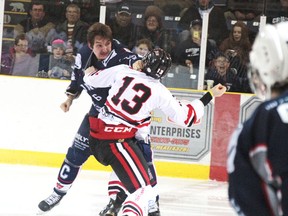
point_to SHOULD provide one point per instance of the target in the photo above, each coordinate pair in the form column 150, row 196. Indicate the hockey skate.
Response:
column 111, row 209
column 49, row 203
column 154, row 209
column 155, row 213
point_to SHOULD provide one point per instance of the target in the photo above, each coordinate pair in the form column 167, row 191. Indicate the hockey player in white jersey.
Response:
column 127, row 114
column 257, row 162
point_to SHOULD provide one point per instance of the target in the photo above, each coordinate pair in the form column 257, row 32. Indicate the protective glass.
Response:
column 257, row 85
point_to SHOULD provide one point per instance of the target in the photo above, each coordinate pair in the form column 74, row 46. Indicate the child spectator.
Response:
column 143, row 46
column 57, row 65
column 20, row 61
column 221, row 71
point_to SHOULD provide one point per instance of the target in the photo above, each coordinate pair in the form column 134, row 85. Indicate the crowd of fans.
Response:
column 47, row 41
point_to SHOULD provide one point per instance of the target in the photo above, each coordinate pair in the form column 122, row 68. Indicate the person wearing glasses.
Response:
column 20, row 61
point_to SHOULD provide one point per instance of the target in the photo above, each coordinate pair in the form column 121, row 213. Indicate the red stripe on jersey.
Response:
column 122, row 115
column 125, row 165
column 144, row 125
column 138, row 163
column 191, row 114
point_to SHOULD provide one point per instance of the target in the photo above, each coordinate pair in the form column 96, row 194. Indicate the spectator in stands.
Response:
column 237, row 46
column 143, row 46
column 217, row 28
column 221, row 72
column 122, row 27
column 57, row 65
column 36, row 27
column 244, row 10
column 72, row 30
column 172, row 7
column 20, row 61
column 188, row 51
column 89, row 10
column 153, row 30
column 277, row 12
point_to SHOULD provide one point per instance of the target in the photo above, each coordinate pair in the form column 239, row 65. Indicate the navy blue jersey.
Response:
column 86, row 58
column 258, row 161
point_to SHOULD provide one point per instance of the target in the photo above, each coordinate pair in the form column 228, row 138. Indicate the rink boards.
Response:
column 35, row 131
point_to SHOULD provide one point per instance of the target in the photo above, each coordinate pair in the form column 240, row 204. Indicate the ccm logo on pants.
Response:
column 117, row 129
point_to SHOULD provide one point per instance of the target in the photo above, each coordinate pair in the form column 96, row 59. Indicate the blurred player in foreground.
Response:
column 126, row 115
column 258, row 152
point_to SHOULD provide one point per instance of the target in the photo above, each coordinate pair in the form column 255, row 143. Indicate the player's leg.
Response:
column 148, row 155
column 76, row 155
column 138, row 203
column 140, row 193
column 115, row 187
column 117, row 194
column 130, row 166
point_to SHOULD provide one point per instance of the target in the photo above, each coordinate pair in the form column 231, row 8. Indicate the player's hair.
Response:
column 157, row 63
column 98, row 29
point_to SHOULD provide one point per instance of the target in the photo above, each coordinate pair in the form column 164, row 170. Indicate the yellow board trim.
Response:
column 164, row 168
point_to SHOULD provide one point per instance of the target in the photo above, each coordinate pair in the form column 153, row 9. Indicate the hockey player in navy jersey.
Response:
column 127, row 115
column 103, row 52
column 257, row 162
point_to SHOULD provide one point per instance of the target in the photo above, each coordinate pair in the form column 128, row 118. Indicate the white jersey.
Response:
column 133, row 95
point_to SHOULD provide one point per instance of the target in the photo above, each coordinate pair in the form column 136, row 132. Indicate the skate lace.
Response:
column 54, row 198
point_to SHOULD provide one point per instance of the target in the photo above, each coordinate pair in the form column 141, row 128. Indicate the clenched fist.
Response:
column 90, row 70
column 218, row 90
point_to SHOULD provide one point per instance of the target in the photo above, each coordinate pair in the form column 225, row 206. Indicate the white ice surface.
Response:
column 23, row 187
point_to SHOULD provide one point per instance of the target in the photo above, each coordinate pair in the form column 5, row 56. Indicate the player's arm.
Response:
column 186, row 113
column 271, row 188
column 65, row 106
column 217, row 91
column 74, row 89
column 72, row 92
column 258, row 154
column 102, row 78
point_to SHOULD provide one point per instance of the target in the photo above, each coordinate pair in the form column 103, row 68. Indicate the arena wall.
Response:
column 35, row 131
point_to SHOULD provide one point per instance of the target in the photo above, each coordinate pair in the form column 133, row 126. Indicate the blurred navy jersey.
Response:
column 86, row 58
column 258, row 161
